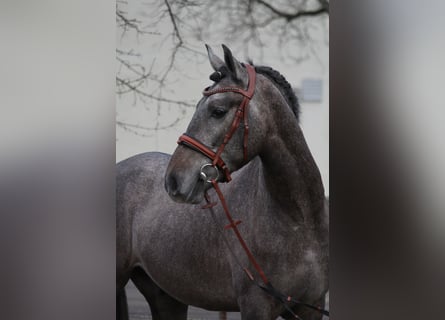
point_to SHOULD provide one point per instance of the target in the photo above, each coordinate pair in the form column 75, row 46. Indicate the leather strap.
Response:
column 234, row 226
column 241, row 114
column 246, row 93
column 266, row 285
column 196, row 145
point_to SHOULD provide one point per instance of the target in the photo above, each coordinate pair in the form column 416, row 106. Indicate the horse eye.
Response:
column 218, row 113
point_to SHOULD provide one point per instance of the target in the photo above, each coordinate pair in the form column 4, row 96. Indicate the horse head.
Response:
column 225, row 133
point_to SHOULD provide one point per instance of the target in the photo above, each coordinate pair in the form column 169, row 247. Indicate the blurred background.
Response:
column 61, row 119
column 162, row 68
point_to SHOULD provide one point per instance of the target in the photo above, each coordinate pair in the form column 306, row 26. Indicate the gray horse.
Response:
column 173, row 250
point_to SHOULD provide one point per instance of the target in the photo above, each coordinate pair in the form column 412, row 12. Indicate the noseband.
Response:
column 241, row 113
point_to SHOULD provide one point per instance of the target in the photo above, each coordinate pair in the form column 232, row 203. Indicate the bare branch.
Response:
column 135, row 89
column 173, row 20
column 126, row 23
column 139, row 128
column 250, row 22
column 302, row 13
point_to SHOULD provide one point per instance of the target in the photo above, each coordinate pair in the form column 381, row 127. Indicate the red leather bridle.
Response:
column 241, row 113
column 218, row 163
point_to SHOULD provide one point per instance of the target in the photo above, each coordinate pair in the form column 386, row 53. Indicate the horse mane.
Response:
column 285, row 88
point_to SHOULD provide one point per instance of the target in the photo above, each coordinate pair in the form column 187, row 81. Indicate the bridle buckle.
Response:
column 204, row 176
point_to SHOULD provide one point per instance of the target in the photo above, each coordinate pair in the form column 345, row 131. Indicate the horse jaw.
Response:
column 182, row 191
column 183, row 184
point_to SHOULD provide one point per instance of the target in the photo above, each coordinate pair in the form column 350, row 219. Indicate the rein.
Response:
column 219, row 164
column 266, row 285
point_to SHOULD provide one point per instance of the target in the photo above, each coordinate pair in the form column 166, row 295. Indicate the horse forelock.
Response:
column 274, row 76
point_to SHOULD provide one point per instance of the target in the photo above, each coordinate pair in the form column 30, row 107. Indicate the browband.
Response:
column 241, row 113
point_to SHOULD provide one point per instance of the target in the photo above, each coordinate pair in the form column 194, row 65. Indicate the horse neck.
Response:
column 290, row 174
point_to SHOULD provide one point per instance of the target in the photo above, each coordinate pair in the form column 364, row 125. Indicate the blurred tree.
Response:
column 256, row 24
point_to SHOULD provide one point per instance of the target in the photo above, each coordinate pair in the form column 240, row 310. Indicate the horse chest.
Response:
column 288, row 251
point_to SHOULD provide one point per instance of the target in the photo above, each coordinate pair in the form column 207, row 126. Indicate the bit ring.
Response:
column 204, row 175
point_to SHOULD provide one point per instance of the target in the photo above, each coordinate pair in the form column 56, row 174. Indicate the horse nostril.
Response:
column 172, row 185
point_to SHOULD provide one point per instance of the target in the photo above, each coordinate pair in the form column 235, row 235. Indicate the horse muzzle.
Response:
column 185, row 189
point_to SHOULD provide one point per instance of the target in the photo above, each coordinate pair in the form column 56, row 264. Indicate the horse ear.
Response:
column 215, row 61
column 232, row 64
